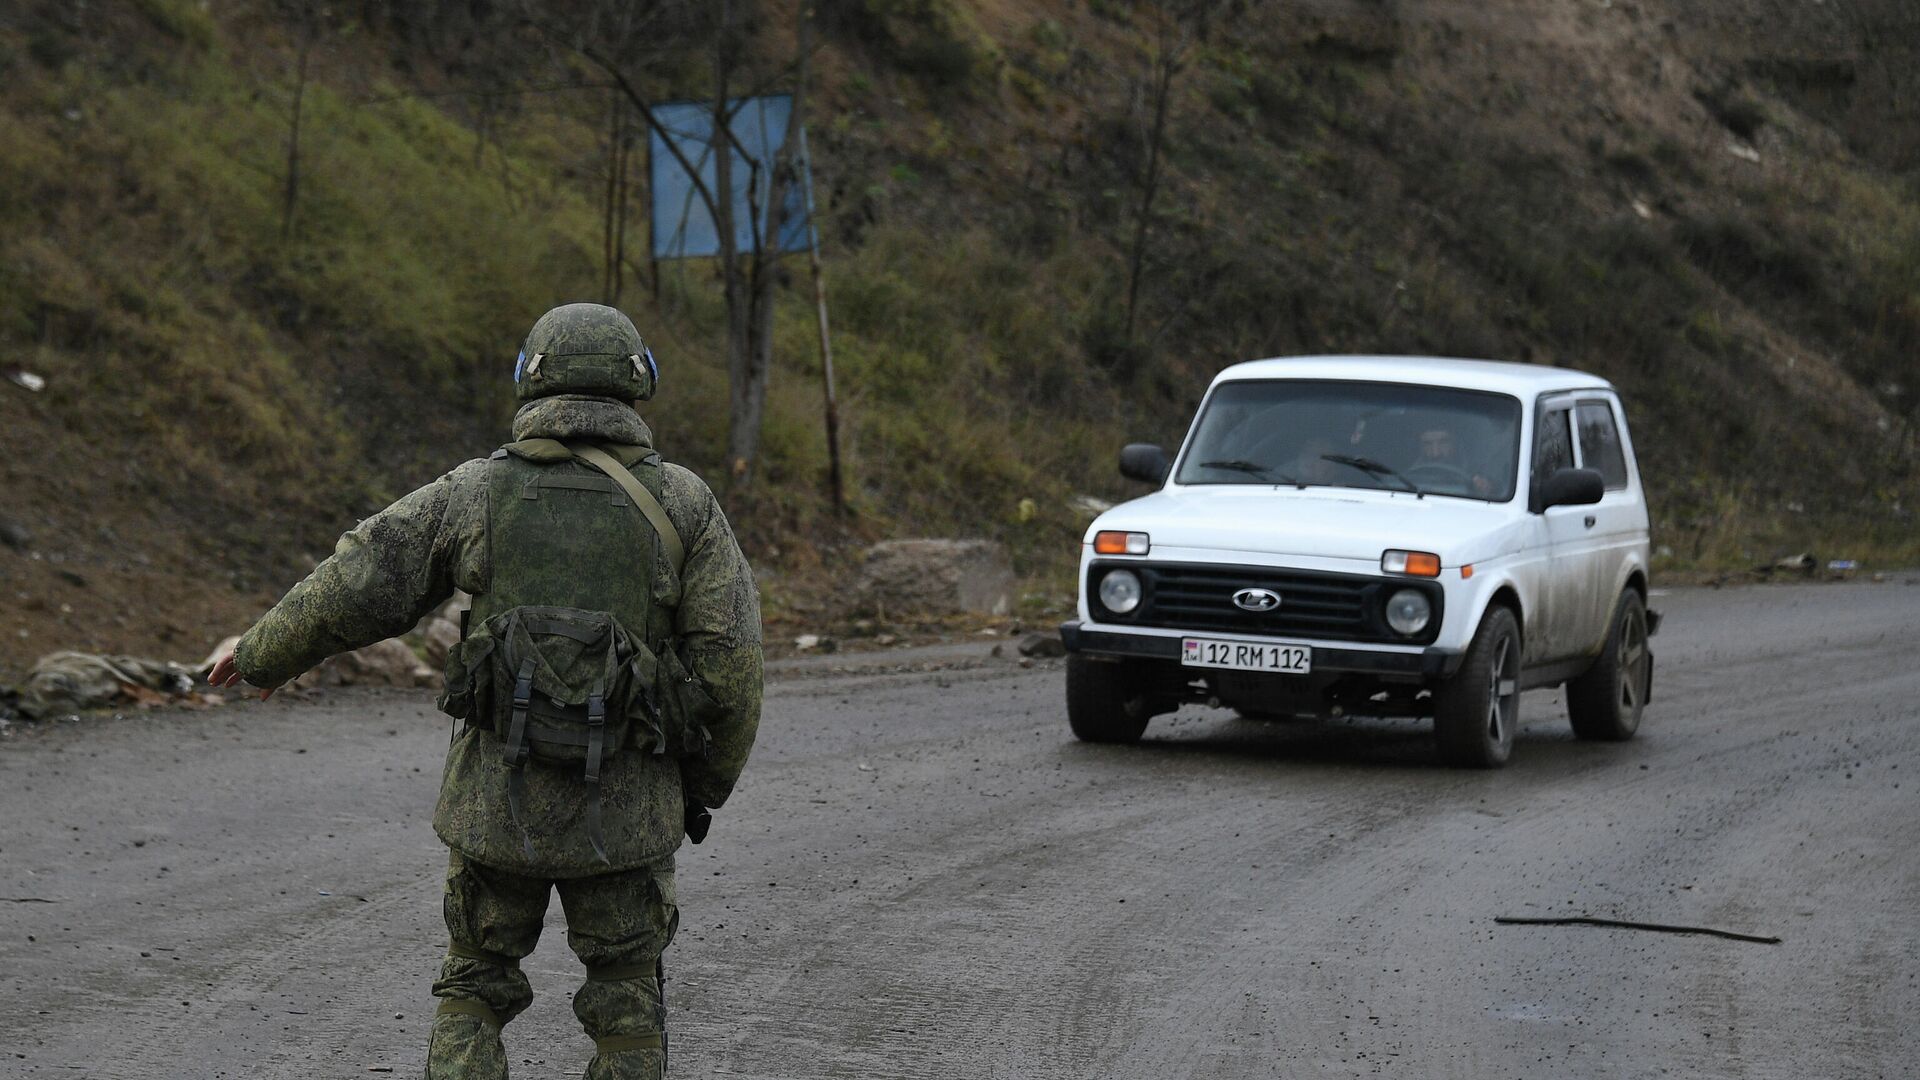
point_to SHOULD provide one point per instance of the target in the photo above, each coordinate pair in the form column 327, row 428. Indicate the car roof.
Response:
column 1521, row 380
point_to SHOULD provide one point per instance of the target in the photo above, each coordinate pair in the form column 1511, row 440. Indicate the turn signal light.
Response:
column 1411, row 563
column 1120, row 543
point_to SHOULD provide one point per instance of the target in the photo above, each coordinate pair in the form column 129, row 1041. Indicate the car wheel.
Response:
column 1105, row 702
column 1605, row 701
column 1476, row 712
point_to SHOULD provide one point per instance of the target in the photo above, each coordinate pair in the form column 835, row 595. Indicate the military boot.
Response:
column 465, row 1046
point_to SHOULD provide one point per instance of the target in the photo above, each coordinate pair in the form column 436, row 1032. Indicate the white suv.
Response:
column 1385, row 536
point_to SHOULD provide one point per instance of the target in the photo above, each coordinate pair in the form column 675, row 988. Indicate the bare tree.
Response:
column 613, row 238
column 747, row 404
column 1177, row 26
column 307, row 17
column 748, row 276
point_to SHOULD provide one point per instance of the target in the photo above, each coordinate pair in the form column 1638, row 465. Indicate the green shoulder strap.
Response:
column 642, row 498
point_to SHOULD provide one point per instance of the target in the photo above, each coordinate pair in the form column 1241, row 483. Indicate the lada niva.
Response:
column 1380, row 536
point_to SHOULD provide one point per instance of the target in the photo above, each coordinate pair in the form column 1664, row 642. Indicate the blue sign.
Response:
column 683, row 227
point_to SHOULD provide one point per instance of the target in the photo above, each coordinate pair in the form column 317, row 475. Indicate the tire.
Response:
column 1605, row 701
column 1476, row 712
column 1104, row 701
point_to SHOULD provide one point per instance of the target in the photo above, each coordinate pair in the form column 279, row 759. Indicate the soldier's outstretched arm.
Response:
column 718, row 623
column 384, row 574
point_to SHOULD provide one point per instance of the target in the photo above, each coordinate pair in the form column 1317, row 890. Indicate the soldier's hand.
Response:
column 223, row 674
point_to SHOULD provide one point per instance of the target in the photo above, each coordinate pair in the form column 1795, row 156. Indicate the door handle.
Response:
column 1590, row 520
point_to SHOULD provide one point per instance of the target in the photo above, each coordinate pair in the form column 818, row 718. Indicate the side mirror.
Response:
column 1147, row 463
column 1570, row 487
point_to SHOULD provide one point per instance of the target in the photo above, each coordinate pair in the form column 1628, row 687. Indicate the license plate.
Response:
column 1279, row 659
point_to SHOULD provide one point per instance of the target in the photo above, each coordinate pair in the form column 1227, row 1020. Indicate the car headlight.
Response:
column 1120, row 591
column 1408, row 612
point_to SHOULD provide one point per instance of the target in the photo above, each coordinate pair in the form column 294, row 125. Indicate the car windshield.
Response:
column 1386, row 436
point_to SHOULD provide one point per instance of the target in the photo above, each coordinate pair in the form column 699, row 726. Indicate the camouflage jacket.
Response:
column 402, row 562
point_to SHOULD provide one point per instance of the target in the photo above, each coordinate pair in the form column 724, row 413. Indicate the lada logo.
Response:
column 1256, row 599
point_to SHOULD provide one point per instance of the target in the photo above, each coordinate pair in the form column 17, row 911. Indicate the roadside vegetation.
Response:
column 274, row 260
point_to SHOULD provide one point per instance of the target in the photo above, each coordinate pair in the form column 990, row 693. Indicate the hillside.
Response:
column 1717, row 209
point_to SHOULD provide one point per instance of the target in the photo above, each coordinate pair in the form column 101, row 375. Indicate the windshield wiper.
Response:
column 1373, row 468
column 1264, row 472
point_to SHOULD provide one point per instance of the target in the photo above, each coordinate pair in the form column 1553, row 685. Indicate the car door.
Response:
column 1619, row 528
column 1565, row 596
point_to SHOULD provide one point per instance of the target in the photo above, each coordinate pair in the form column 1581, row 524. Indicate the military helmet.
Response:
column 585, row 349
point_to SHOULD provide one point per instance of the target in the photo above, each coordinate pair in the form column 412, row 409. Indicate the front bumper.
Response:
column 1429, row 663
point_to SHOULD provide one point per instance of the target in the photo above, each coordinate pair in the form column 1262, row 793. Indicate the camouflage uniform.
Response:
column 400, row 564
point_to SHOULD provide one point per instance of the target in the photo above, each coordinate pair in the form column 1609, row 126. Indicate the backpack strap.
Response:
column 516, row 752
column 642, row 498
column 596, row 742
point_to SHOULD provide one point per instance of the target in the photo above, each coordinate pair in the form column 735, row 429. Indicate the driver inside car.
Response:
column 1439, row 455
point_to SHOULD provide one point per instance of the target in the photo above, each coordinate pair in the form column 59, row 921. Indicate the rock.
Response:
column 439, row 629
column 27, row 380
column 936, row 577
column 806, row 641
column 439, row 636
column 14, row 535
column 70, row 682
column 1042, row 645
column 1088, row 506
column 385, row 663
column 460, row 601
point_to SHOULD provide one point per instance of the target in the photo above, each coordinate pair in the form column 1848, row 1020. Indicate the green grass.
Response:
column 1317, row 197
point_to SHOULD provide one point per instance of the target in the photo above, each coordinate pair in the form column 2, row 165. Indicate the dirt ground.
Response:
column 923, row 875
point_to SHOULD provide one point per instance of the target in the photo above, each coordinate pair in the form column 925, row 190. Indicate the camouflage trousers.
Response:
column 617, row 924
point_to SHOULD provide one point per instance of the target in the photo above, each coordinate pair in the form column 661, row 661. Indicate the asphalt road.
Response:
column 923, row 875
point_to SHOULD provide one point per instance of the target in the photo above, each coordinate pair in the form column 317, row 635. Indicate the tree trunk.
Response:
column 743, row 405
column 750, row 389
column 606, row 206
column 1165, row 67
column 291, row 196
column 620, row 200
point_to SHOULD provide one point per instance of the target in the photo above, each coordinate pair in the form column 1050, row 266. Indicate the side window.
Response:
column 1600, row 443
column 1552, row 446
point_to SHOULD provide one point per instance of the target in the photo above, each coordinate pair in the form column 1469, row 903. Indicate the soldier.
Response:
column 608, row 676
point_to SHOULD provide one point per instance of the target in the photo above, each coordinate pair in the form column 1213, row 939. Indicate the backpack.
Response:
column 567, row 657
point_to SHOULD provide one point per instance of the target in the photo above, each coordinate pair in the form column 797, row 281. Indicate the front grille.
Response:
column 1338, row 607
